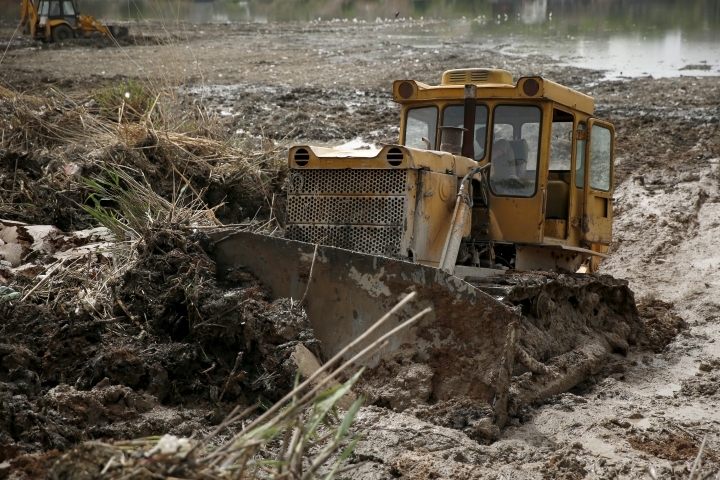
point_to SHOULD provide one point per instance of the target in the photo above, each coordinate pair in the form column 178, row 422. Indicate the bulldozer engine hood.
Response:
column 388, row 157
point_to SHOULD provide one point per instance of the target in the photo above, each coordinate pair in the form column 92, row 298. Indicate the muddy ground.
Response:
column 330, row 83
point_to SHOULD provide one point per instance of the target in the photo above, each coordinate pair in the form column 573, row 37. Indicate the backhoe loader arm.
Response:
column 88, row 23
column 28, row 13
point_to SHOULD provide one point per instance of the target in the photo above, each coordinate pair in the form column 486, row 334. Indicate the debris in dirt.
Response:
column 411, row 383
column 23, row 246
column 70, row 373
column 88, row 460
column 701, row 386
column 566, row 464
column 669, row 446
column 660, row 324
column 464, row 414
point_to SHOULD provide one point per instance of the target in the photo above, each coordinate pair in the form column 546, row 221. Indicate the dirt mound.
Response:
column 204, row 329
column 172, row 335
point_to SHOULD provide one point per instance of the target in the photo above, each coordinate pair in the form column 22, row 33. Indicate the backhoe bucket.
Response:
column 463, row 340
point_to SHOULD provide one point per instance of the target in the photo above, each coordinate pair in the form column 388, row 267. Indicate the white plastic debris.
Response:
column 170, row 444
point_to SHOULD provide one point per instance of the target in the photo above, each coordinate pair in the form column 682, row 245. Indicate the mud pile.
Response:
column 570, row 331
column 169, row 351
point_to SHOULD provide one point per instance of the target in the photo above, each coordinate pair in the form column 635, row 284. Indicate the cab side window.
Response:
column 561, row 141
column 600, row 158
column 580, row 157
column 54, row 9
column 68, row 8
column 421, row 123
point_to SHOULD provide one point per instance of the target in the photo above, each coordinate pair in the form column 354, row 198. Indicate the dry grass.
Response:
column 154, row 139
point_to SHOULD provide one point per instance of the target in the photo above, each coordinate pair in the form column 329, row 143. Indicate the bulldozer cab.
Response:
column 546, row 199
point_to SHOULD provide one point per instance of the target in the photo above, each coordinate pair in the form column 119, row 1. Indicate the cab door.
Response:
column 597, row 204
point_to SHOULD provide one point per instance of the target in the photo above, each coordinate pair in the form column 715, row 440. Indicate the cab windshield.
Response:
column 454, row 116
column 514, row 150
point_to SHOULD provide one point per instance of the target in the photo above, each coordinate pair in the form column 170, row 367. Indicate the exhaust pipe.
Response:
column 468, row 144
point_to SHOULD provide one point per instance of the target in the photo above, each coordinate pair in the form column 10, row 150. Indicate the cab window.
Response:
column 580, row 158
column 454, row 116
column 55, row 9
column 421, row 126
column 514, row 150
column 600, row 158
column 561, row 141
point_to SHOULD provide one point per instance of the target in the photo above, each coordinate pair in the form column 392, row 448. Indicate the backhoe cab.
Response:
column 59, row 20
column 543, row 200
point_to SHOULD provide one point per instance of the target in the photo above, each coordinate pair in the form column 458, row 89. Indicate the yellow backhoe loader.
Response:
column 59, row 20
column 495, row 207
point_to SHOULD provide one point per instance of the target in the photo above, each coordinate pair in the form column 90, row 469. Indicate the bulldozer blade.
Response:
column 463, row 340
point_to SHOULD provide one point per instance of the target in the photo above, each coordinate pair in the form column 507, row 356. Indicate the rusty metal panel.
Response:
column 434, row 207
column 555, row 228
column 548, row 258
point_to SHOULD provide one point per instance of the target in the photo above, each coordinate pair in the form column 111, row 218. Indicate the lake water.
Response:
column 626, row 38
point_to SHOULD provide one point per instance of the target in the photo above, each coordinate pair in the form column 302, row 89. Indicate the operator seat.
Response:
column 520, row 150
column 503, row 173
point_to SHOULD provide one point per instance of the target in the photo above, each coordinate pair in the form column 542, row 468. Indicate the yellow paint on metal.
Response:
column 486, row 90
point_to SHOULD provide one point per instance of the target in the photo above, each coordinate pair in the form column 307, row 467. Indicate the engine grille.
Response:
column 357, row 182
column 361, row 238
column 346, row 209
column 361, row 210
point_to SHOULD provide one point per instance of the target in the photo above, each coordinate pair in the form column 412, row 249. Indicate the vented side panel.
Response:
column 345, row 209
column 479, row 76
column 457, row 77
column 359, row 182
column 367, row 239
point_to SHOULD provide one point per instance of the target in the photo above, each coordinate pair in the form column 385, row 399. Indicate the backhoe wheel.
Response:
column 61, row 33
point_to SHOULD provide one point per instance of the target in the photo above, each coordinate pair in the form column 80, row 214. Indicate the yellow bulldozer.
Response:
column 60, row 20
column 495, row 206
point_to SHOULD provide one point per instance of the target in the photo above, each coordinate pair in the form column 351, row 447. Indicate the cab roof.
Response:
column 491, row 84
